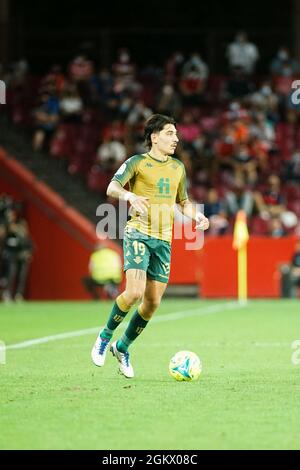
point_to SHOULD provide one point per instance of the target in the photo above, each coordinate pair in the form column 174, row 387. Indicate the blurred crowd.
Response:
column 239, row 132
column 15, row 250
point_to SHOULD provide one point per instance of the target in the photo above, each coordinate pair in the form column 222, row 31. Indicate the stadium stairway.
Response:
column 63, row 239
column 49, row 170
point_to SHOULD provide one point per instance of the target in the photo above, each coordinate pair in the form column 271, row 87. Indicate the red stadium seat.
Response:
column 98, row 179
column 292, row 192
column 199, row 193
column 62, row 143
column 258, row 226
column 294, row 206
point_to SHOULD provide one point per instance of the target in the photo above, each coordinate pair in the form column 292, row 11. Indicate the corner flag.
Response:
column 240, row 240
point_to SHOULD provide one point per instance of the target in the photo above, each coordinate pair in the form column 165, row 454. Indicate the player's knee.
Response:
column 133, row 296
column 151, row 305
column 148, row 308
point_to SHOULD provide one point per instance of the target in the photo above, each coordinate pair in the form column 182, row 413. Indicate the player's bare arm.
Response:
column 188, row 208
column 139, row 203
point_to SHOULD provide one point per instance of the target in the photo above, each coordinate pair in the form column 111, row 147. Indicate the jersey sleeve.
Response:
column 126, row 171
column 182, row 194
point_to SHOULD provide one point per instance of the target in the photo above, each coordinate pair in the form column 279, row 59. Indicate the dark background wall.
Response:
column 52, row 31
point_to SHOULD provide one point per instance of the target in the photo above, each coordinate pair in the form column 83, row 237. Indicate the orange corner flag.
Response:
column 240, row 240
column 240, row 234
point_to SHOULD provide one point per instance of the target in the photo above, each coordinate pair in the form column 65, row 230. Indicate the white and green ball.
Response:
column 185, row 366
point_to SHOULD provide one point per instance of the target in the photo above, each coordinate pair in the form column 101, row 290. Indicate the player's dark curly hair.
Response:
column 155, row 123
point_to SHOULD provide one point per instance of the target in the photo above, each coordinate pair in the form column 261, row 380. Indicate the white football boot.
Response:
column 99, row 351
column 125, row 367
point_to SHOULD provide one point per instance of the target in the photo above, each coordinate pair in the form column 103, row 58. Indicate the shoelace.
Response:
column 103, row 345
column 126, row 357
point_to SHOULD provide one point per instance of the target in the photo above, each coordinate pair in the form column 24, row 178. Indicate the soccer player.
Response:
column 156, row 182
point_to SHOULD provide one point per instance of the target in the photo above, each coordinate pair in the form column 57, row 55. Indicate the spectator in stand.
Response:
column 6, row 204
column 70, row 104
column 193, row 80
column 276, row 228
column 270, row 203
column 283, row 65
column 48, row 85
column 125, row 106
column 138, row 114
column 216, row 213
column 81, row 69
column 46, row 117
column 265, row 100
column 239, row 198
column 124, row 72
column 240, row 128
column 262, row 128
column 174, row 66
column 101, row 86
column 224, row 146
column 245, row 165
column 169, row 102
column 111, row 154
column 283, row 69
column 233, row 135
column 242, row 54
column 16, row 257
column 290, row 275
column 124, row 69
column 260, row 150
column 292, row 170
column 190, row 133
column 18, row 74
column 262, row 139
column 196, row 69
column 58, row 78
column 135, row 127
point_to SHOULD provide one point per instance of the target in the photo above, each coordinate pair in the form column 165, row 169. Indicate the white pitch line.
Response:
column 171, row 316
column 46, row 339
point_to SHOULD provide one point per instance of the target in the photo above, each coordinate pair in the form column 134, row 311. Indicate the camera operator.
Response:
column 16, row 257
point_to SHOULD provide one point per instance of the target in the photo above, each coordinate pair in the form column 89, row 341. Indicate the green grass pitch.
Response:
column 53, row 397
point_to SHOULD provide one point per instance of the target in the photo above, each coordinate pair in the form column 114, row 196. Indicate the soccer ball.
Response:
column 185, row 366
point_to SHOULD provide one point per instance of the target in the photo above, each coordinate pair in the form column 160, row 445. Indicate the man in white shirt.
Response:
column 242, row 54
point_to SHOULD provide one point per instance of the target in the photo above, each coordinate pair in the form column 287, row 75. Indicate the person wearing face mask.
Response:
column 194, row 76
column 290, row 275
column 169, row 101
column 124, row 71
column 264, row 99
column 195, row 67
column 293, row 167
column 283, row 65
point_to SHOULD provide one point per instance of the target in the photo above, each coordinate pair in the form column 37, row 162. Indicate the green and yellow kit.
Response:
column 147, row 238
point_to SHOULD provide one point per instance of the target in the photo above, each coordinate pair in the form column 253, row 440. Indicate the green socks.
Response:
column 118, row 313
column 136, row 325
column 133, row 330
